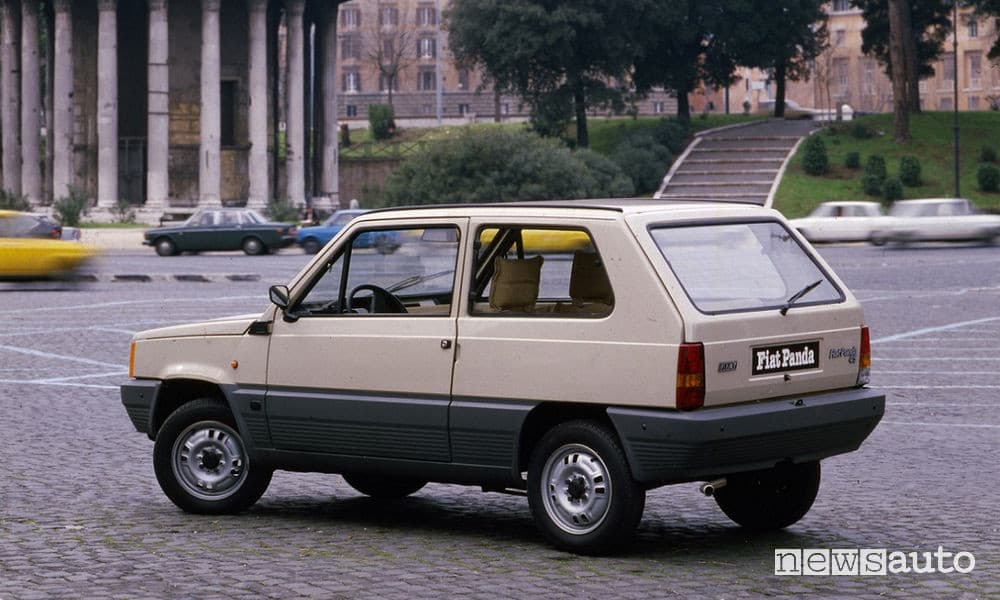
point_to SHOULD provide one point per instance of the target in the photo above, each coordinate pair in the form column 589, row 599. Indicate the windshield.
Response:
column 743, row 267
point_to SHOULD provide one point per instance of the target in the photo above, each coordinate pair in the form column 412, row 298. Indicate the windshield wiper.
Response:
column 797, row 295
column 416, row 279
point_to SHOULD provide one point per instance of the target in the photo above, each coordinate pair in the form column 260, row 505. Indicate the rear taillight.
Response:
column 690, row 376
column 865, row 357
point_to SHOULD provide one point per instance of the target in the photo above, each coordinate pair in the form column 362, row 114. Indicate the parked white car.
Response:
column 936, row 220
column 842, row 221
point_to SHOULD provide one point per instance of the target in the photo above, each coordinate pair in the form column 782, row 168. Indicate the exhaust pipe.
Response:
column 710, row 488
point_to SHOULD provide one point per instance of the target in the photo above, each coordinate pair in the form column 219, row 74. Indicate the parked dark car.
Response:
column 29, row 225
column 222, row 229
column 313, row 238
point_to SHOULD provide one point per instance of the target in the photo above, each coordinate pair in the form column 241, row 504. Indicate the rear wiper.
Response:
column 797, row 295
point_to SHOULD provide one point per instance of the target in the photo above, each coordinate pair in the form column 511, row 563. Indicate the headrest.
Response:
column 515, row 283
column 588, row 281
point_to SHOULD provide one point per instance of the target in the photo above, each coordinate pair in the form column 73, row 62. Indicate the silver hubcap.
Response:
column 577, row 489
column 209, row 461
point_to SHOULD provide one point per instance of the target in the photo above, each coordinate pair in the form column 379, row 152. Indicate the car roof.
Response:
column 594, row 208
column 848, row 203
column 929, row 200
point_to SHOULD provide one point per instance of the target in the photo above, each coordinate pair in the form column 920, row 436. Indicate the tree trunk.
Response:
column 582, row 137
column 779, row 91
column 683, row 107
column 900, row 109
column 912, row 60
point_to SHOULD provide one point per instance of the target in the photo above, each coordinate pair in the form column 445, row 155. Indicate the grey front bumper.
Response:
column 139, row 396
column 672, row 446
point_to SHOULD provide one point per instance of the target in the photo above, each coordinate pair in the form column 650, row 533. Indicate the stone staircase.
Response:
column 737, row 164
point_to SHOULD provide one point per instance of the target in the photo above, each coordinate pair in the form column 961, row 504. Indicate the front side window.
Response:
column 387, row 271
column 738, row 267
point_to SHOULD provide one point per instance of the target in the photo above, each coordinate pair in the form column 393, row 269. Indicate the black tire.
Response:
column 252, row 246
column 190, row 456
column 166, row 247
column 581, row 491
column 878, row 240
column 771, row 499
column 384, row 487
column 311, row 245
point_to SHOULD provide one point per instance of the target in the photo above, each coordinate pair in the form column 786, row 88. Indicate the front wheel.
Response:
column 771, row 499
column 311, row 245
column 165, row 247
column 201, row 461
column 581, row 491
column 253, row 246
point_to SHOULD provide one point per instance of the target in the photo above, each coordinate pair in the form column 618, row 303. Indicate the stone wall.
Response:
column 359, row 177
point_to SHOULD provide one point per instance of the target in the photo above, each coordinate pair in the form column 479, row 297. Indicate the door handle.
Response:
column 445, row 344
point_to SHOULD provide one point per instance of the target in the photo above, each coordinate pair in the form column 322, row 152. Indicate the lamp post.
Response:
column 954, row 55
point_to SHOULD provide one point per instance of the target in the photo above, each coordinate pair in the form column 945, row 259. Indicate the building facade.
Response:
column 169, row 104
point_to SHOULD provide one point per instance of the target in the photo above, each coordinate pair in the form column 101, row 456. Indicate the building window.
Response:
column 463, row 109
column 973, row 102
column 426, row 47
column 463, row 79
column 973, row 27
column 388, row 15
column 352, row 81
column 426, row 15
column 227, row 106
column 841, row 77
column 352, row 110
column 350, row 47
column 350, row 17
column 426, row 109
column 869, row 77
column 947, row 70
column 974, row 60
column 505, row 108
column 658, row 107
column 426, row 80
column 944, row 103
column 841, row 5
column 383, row 83
column 840, row 38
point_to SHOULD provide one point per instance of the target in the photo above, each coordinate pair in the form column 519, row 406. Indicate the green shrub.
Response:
column 863, row 132
column 875, row 166
column 988, row 177
column 987, row 154
column 892, row 189
column 643, row 160
column 853, row 160
column 814, row 160
column 282, row 211
column 673, row 134
column 11, row 201
column 124, row 213
column 71, row 209
column 909, row 171
column 500, row 165
column 871, row 184
column 381, row 120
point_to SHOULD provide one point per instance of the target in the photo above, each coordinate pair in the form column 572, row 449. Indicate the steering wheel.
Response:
column 381, row 300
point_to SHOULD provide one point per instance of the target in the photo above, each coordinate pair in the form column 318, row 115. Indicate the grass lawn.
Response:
column 932, row 144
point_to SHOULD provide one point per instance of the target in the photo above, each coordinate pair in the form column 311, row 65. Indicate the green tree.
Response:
column 781, row 37
column 499, row 165
column 562, row 56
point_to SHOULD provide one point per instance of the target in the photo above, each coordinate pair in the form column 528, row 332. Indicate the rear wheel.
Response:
column 201, row 461
column 165, row 247
column 310, row 245
column 580, row 489
column 253, row 246
column 771, row 499
column 384, row 487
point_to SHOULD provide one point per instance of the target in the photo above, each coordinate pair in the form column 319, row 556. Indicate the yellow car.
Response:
column 24, row 258
column 546, row 240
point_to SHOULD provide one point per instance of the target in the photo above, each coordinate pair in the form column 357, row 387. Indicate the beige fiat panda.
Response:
column 579, row 353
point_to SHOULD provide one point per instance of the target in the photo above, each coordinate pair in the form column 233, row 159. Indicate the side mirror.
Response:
column 279, row 296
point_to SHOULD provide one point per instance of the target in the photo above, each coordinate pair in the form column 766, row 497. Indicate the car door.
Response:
column 202, row 233
column 357, row 375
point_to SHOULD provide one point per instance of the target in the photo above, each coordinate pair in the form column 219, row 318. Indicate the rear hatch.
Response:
column 772, row 317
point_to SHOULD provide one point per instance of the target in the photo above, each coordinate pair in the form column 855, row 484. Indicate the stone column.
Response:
column 62, row 102
column 295, row 125
column 329, row 180
column 31, row 104
column 257, row 79
column 209, row 170
column 107, row 104
column 10, row 96
column 158, row 110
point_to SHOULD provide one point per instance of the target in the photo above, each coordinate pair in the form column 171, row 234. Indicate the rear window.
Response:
column 736, row 267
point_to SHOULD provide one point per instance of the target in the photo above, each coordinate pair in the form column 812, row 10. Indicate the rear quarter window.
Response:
column 734, row 267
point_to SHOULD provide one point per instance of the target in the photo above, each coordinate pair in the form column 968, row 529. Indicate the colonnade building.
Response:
column 169, row 104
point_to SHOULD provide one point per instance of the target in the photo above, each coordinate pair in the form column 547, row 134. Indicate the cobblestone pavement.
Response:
column 81, row 515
